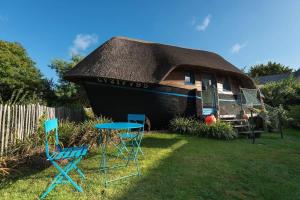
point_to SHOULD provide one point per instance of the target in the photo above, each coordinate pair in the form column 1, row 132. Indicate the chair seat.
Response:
column 128, row 135
column 70, row 152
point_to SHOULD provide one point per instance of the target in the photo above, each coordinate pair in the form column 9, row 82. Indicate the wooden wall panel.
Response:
column 176, row 79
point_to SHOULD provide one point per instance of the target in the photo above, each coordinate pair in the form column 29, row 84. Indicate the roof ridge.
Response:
column 149, row 42
column 132, row 39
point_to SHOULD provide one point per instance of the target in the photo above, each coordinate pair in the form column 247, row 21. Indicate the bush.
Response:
column 184, row 125
column 66, row 130
column 191, row 126
column 86, row 133
column 30, row 151
column 89, row 113
column 285, row 92
column 294, row 114
column 218, row 130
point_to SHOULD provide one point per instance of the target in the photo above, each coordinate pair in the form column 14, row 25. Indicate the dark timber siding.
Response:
column 159, row 103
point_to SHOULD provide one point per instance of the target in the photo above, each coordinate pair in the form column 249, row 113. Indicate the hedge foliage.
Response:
column 192, row 126
column 294, row 114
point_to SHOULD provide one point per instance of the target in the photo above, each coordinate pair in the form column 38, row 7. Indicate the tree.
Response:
column 18, row 72
column 285, row 92
column 67, row 92
column 269, row 69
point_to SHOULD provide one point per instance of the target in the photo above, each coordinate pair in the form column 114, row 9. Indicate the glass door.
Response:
column 208, row 94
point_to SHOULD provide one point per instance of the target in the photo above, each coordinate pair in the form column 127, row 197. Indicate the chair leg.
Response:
column 79, row 172
column 63, row 173
column 54, row 182
column 124, row 145
column 140, row 150
column 49, row 189
column 136, row 152
column 121, row 149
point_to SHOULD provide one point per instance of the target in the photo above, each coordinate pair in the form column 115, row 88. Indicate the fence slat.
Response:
column 1, row 108
column 2, row 115
column 7, row 129
column 3, row 129
column 20, row 121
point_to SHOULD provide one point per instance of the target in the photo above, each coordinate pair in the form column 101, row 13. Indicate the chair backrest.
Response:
column 138, row 118
column 51, row 126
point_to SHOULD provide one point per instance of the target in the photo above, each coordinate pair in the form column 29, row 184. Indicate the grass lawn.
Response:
column 184, row 167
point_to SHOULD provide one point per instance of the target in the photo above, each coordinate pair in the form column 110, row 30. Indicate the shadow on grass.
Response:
column 24, row 167
column 147, row 142
column 162, row 181
column 153, row 142
column 30, row 165
column 196, row 170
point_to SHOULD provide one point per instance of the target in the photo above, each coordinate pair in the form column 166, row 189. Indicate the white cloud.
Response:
column 204, row 24
column 236, row 48
column 82, row 42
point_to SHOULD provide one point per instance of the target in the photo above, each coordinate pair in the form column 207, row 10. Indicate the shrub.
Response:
column 89, row 113
column 4, row 169
column 191, row 126
column 66, row 130
column 184, row 125
column 30, row 151
column 218, row 130
column 294, row 114
column 87, row 133
column 285, row 92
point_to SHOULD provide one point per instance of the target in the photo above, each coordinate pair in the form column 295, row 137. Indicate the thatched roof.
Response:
column 140, row 61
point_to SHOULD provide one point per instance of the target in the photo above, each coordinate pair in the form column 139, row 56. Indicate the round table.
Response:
column 109, row 127
column 119, row 125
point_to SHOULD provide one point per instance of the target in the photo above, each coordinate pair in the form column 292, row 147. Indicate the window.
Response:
column 226, row 84
column 207, row 81
column 189, row 78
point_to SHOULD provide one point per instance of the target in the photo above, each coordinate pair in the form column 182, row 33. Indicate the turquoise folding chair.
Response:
column 72, row 154
column 130, row 135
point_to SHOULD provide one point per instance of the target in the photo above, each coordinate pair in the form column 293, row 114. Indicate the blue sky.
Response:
column 243, row 32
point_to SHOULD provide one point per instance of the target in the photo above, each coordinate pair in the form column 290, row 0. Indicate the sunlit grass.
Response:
column 183, row 167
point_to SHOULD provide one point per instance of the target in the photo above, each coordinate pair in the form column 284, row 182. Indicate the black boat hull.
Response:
column 158, row 102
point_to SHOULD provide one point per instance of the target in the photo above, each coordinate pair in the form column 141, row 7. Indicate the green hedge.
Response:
column 85, row 132
column 294, row 115
column 191, row 126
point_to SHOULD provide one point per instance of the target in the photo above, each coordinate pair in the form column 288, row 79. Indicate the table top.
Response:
column 119, row 125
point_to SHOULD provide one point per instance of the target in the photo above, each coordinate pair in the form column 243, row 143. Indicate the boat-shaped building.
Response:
column 132, row 76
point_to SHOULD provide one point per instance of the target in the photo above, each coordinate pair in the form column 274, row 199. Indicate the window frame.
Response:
column 227, row 78
column 191, row 76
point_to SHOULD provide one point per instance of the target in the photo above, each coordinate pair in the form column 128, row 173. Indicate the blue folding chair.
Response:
column 72, row 154
column 134, row 137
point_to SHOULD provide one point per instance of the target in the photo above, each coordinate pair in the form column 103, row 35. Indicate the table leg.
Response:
column 103, row 164
column 104, row 160
column 136, row 157
column 135, row 151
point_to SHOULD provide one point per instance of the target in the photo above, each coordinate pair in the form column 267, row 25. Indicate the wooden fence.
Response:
column 20, row 121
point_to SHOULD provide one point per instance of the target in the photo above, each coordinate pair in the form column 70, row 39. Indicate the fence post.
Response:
column 3, row 129
column 1, row 132
column 7, row 129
